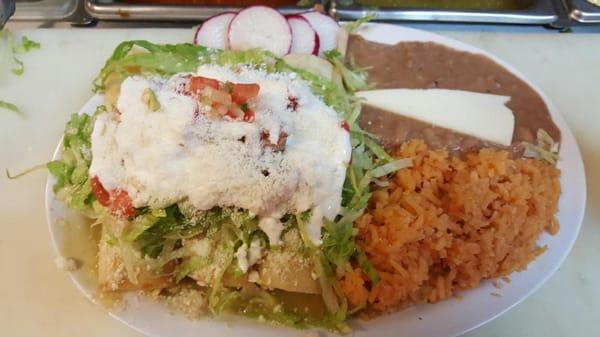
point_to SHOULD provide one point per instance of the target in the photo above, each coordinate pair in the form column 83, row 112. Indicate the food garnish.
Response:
column 9, row 52
column 167, row 235
column 546, row 148
column 11, row 107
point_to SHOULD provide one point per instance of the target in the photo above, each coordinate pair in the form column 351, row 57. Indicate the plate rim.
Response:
column 423, row 36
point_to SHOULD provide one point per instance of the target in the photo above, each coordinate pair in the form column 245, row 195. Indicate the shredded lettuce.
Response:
column 225, row 256
column 369, row 162
column 10, row 50
column 9, row 60
column 330, row 92
column 338, row 242
column 354, row 25
column 366, row 266
column 11, row 107
column 25, row 172
column 27, row 45
column 546, row 148
column 337, row 247
column 391, row 167
column 354, row 79
column 253, row 57
column 190, row 265
column 73, row 185
column 327, row 280
column 158, row 234
column 143, row 57
column 377, row 150
column 152, row 228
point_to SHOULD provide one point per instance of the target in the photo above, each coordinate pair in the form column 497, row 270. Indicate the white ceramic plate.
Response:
column 448, row 318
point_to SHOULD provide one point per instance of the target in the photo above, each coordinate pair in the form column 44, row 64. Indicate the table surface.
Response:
column 37, row 299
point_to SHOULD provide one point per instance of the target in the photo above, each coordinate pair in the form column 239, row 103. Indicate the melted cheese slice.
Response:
column 484, row 116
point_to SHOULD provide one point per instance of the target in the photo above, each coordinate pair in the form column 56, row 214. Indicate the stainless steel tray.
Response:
column 44, row 10
column 583, row 11
column 109, row 10
column 539, row 13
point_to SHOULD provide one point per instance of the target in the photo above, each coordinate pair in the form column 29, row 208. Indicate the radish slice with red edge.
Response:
column 326, row 27
column 305, row 39
column 260, row 27
column 213, row 32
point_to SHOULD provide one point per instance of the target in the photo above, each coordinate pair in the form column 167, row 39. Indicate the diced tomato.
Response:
column 230, row 114
column 235, row 111
column 220, row 109
column 292, row 103
column 101, row 194
column 242, row 92
column 227, row 87
column 118, row 200
column 264, row 135
column 249, row 116
column 345, row 126
column 121, row 204
column 266, row 142
column 281, row 141
column 227, row 99
column 198, row 83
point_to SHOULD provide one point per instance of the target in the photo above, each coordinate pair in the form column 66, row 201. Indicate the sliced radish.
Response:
column 326, row 27
column 213, row 32
column 305, row 39
column 260, row 27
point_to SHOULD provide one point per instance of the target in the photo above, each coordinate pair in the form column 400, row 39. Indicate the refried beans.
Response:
column 422, row 65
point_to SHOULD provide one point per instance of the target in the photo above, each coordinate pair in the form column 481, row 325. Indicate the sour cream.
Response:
column 179, row 153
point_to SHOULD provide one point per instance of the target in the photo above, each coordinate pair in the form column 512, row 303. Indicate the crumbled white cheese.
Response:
column 179, row 153
column 273, row 228
column 202, row 247
column 248, row 256
column 254, row 252
column 241, row 254
column 66, row 263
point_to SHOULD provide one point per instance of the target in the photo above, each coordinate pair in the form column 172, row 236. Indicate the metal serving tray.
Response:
column 44, row 9
column 583, row 11
column 110, row 10
column 540, row 12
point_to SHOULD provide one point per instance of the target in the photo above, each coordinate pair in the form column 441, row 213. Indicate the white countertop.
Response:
column 39, row 300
